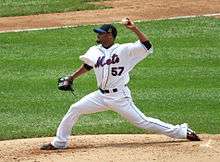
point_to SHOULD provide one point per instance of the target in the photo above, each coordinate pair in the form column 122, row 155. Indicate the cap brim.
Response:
column 99, row 31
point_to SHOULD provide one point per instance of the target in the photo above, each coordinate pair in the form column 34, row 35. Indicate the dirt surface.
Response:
column 115, row 147
column 137, row 10
column 111, row 148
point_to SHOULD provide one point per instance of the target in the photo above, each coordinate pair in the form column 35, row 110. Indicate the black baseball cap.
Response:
column 107, row 28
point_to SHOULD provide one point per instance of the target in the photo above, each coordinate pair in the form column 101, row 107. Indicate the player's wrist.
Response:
column 70, row 77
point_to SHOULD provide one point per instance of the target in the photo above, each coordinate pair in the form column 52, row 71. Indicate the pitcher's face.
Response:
column 105, row 39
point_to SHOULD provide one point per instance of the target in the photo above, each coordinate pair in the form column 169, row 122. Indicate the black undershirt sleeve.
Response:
column 147, row 44
column 87, row 67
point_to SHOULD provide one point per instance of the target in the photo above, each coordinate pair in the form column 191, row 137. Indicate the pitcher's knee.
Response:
column 78, row 109
column 74, row 109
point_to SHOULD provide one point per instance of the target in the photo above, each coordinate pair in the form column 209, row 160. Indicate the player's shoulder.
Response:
column 125, row 45
column 130, row 43
column 93, row 48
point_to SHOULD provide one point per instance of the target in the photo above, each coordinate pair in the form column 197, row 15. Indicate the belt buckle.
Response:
column 113, row 90
column 108, row 90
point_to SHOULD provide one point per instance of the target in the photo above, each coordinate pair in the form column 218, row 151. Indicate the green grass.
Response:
column 178, row 83
column 30, row 7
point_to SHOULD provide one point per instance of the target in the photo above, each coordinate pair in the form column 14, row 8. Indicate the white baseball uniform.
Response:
column 112, row 67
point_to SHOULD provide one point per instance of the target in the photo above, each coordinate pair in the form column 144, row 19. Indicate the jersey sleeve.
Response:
column 88, row 58
column 138, row 49
column 135, row 52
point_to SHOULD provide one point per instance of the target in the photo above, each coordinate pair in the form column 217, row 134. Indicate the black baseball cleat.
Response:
column 192, row 136
column 48, row 146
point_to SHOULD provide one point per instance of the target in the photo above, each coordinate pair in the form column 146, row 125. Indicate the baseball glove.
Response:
column 64, row 84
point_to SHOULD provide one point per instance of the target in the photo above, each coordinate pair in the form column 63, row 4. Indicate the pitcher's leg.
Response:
column 89, row 104
column 128, row 110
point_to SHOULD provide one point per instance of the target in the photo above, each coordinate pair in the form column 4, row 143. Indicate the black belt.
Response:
column 107, row 91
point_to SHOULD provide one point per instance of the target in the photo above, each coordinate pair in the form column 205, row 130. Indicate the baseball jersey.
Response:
column 112, row 65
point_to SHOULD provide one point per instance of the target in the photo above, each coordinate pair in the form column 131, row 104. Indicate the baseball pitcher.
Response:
column 112, row 63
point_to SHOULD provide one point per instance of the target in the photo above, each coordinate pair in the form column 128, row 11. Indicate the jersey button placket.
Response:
column 105, row 71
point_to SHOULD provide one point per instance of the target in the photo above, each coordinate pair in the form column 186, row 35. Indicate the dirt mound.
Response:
column 142, row 147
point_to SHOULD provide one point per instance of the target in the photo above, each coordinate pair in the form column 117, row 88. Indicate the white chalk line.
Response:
column 71, row 26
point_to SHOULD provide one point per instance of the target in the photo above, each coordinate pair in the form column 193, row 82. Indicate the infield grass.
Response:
column 179, row 83
column 31, row 7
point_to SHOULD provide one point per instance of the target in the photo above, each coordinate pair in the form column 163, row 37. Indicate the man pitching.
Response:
column 112, row 63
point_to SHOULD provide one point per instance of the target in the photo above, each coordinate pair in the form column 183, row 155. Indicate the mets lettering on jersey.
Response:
column 101, row 61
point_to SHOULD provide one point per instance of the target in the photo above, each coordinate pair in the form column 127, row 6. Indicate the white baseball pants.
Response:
column 120, row 102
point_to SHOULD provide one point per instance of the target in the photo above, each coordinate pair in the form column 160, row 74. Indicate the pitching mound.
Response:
column 143, row 147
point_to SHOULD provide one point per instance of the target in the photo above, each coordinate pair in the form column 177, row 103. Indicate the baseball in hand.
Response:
column 125, row 21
